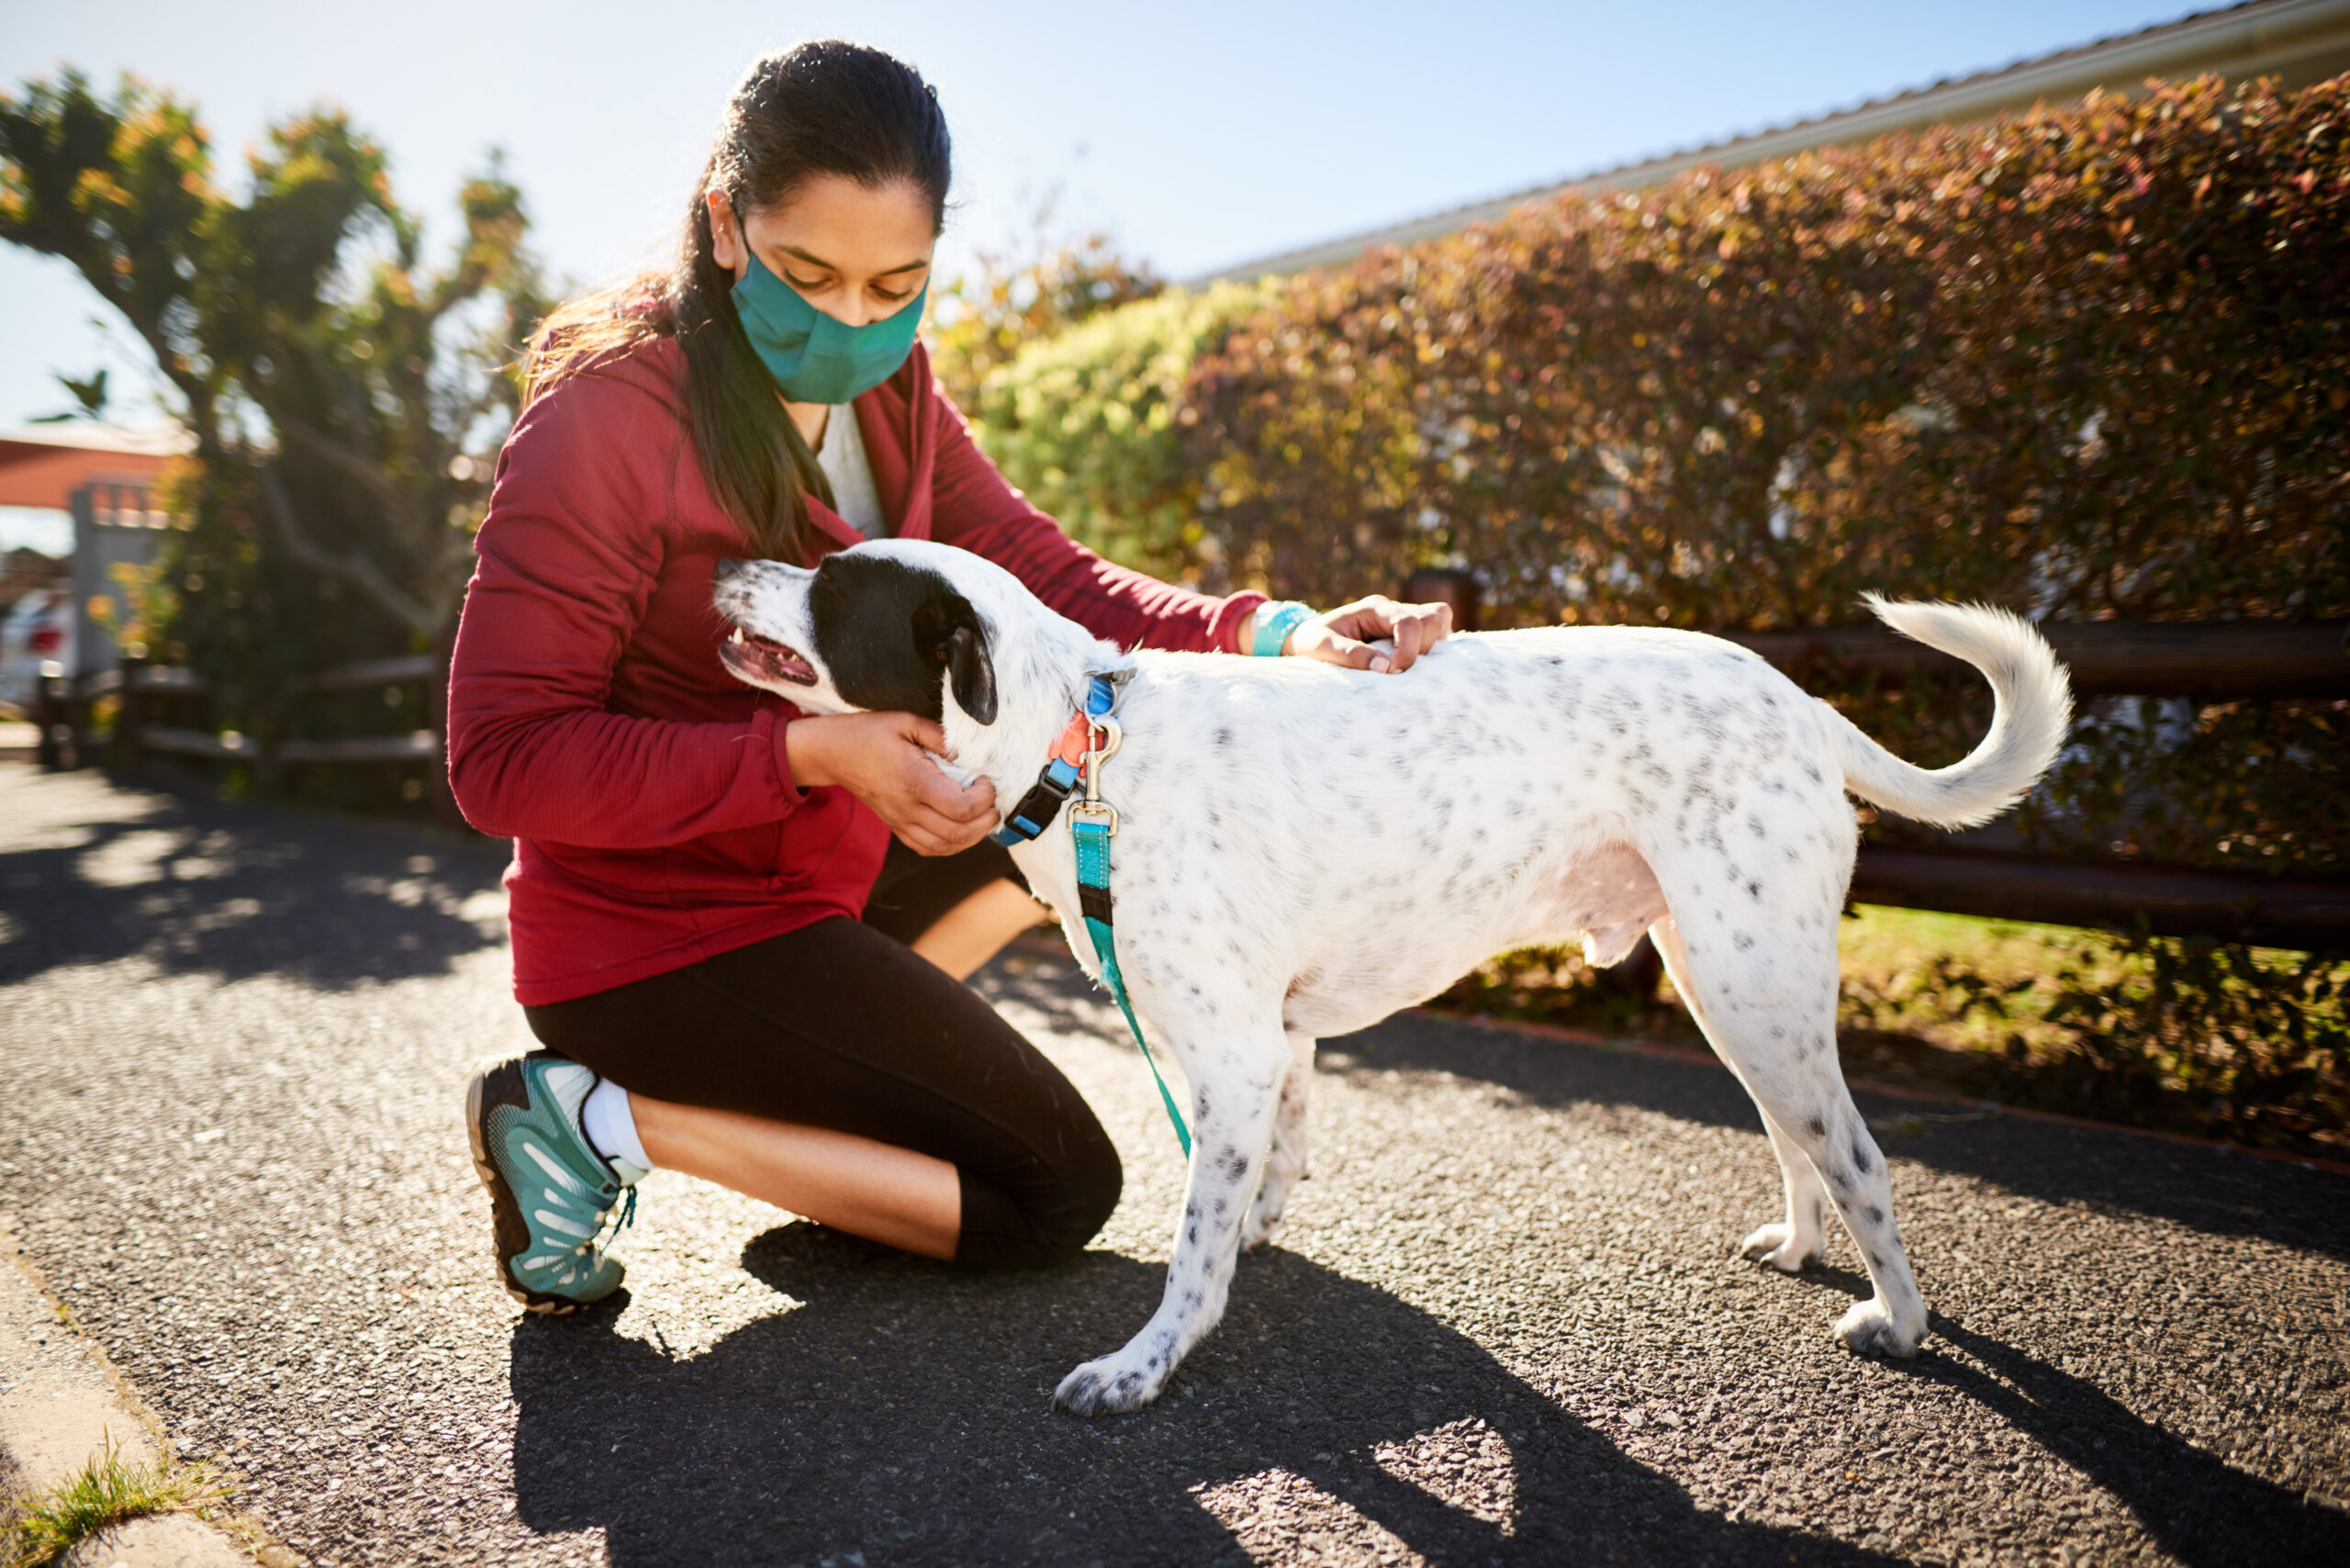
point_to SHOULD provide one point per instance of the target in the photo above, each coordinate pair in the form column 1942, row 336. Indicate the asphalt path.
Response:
column 1503, row 1325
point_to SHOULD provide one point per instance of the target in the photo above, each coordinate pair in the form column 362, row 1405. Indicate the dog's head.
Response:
column 882, row 627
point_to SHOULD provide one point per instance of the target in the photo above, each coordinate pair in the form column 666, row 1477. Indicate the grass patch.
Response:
column 1915, row 972
column 2246, row 1044
column 104, row 1491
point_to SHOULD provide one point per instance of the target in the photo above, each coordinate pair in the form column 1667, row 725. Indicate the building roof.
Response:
column 2299, row 41
column 43, row 466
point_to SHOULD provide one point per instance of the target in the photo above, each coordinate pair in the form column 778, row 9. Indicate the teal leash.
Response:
column 1094, row 823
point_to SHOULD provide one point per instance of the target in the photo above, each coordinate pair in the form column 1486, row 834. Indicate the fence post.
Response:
column 48, row 713
column 130, row 720
column 1445, row 585
column 270, row 770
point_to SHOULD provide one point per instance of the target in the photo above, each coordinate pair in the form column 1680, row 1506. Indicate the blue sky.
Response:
column 1202, row 135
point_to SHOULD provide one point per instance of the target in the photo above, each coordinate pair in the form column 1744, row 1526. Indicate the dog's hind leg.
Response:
column 1235, row 1087
column 1286, row 1158
column 1795, row 1244
column 1771, row 1015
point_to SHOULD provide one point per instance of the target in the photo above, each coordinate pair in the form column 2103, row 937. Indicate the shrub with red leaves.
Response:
column 2089, row 363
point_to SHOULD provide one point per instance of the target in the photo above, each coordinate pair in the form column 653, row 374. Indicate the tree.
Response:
column 1047, row 281
column 344, row 397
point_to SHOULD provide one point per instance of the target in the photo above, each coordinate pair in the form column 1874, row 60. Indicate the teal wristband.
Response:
column 1275, row 621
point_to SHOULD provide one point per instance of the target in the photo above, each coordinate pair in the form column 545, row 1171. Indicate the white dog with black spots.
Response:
column 1278, row 817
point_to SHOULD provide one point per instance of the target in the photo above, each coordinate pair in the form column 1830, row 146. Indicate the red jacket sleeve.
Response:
column 567, row 560
column 973, row 506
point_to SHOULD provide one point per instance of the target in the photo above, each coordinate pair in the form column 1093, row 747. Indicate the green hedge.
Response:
column 2089, row 363
column 1090, row 423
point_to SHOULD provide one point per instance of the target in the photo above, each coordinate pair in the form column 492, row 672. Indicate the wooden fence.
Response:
column 2201, row 661
column 151, row 694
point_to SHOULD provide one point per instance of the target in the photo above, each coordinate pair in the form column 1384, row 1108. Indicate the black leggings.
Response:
column 838, row 1025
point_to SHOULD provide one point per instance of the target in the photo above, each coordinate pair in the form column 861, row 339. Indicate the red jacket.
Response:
column 653, row 811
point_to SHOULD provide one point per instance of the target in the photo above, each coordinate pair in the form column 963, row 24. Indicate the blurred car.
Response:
column 38, row 629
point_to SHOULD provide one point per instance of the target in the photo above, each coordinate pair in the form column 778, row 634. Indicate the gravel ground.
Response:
column 1503, row 1324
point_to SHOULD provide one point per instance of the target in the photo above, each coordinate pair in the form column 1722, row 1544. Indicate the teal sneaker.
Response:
column 551, row 1195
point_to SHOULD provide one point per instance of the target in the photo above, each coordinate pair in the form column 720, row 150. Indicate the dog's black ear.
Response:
column 973, row 673
column 951, row 635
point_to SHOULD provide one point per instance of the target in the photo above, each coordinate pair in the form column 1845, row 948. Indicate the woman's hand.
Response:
column 884, row 760
column 1343, row 637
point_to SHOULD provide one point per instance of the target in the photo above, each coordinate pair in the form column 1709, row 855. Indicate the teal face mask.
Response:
column 813, row 357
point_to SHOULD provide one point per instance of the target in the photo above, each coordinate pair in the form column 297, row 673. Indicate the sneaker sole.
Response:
column 510, row 1233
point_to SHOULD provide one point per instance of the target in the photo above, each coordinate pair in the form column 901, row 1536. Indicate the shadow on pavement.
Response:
column 2200, row 1508
column 195, row 886
column 2224, row 1196
column 901, row 1415
column 2197, row 1505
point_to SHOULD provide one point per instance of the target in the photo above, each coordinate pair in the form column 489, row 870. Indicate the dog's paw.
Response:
column 1261, row 1225
column 1111, row 1386
column 1869, row 1329
column 1779, row 1246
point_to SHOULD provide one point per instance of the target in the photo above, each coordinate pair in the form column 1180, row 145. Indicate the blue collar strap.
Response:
column 1062, row 771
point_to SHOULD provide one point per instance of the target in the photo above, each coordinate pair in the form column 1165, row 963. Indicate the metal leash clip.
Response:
column 1102, row 737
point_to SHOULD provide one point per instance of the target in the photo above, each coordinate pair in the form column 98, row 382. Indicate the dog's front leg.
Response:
column 1233, row 1090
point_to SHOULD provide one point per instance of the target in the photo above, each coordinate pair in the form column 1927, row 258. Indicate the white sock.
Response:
column 610, row 1126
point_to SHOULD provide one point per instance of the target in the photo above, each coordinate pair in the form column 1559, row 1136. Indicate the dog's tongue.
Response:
column 758, row 658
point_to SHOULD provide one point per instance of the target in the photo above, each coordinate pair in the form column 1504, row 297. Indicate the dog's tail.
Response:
column 2033, row 709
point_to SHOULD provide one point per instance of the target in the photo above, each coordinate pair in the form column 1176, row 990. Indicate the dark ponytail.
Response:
column 827, row 107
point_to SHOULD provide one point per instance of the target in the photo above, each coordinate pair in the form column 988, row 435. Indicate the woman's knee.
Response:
column 1048, row 1218
column 1094, row 1189
column 1091, row 1181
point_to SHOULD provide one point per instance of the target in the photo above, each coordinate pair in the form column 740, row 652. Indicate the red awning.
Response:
column 39, row 471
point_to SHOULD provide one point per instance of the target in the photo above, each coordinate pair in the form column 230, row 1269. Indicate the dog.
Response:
column 1303, row 850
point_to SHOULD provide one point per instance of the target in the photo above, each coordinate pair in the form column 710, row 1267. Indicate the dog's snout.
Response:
column 727, row 571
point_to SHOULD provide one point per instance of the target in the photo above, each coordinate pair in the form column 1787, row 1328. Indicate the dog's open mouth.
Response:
column 757, row 658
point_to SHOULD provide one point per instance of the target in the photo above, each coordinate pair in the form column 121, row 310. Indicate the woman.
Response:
column 740, row 931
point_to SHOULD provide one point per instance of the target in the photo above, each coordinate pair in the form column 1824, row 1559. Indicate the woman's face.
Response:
column 855, row 252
